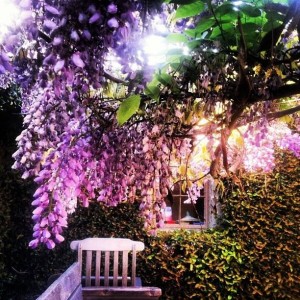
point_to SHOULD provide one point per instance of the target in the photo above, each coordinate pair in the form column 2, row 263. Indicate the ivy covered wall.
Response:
column 252, row 254
column 264, row 214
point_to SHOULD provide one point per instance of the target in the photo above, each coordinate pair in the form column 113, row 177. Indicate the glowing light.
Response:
column 202, row 122
column 135, row 67
column 237, row 3
column 112, row 63
column 155, row 47
column 9, row 16
column 159, row 26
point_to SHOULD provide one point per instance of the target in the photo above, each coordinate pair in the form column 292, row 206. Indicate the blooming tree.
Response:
column 100, row 124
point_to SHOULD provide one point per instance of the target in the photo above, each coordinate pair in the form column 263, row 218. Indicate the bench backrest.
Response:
column 101, row 257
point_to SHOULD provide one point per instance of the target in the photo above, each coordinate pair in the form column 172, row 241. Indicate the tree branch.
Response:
column 282, row 113
column 114, row 79
column 44, row 36
column 284, row 91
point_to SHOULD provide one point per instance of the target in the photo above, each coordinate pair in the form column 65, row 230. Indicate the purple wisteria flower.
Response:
column 112, row 8
column 96, row 17
column 77, row 60
column 52, row 10
column 57, row 41
column 113, row 23
column 75, row 36
column 73, row 154
column 5, row 63
column 25, row 4
column 82, row 18
column 86, row 34
column 49, row 24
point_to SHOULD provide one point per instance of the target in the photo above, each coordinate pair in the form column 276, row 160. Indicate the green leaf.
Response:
column 274, row 16
column 176, row 38
column 228, row 30
column 281, row 1
column 250, row 10
column 229, row 18
column 194, row 44
column 128, row 108
column 174, row 59
column 189, row 10
column 168, row 80
column 182, row 1
column 174, row 56
column 152, row 91
column 205, row 24
column 223, row 10
column 269, row 26
column 193, row 33
column 249, row 28
column 175, row 51
column 175, row 65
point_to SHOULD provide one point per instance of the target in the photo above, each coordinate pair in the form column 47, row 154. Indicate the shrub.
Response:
column 196, row 265
column 263, row 214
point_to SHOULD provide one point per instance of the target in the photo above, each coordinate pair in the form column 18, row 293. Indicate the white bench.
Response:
column 108, row 268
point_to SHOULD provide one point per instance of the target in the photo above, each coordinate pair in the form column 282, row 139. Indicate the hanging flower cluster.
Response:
column 67, row 38
column 69, row 149
column 72, row 145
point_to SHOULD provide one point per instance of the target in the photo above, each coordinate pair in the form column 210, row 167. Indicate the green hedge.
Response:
column 196, row 265
column 264, row 214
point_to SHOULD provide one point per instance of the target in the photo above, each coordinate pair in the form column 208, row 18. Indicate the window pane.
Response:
column 180, row 210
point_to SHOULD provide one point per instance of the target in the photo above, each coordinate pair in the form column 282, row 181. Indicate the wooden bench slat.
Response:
column 133, row 272
column 108, row 244
column 80, row 257
column 106, row 268
column 142, row 293
column 116, row 268
column 138, row 281
column 98, row 268
column 125, row 268
column 88, row 266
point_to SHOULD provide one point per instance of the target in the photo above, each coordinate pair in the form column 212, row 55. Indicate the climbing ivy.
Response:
column 263, row 213
column 197, row 265
column 253, row 254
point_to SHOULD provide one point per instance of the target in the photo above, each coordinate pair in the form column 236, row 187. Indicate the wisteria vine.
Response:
column 72, row 145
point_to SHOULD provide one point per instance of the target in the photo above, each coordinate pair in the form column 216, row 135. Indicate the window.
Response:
column 183, row 213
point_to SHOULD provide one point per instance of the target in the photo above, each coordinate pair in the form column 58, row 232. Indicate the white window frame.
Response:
column 211, row 209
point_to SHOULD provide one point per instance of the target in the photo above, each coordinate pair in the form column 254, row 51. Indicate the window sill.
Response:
column 168, row 227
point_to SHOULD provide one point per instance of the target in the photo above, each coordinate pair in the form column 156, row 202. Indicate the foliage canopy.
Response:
column 100, row 123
